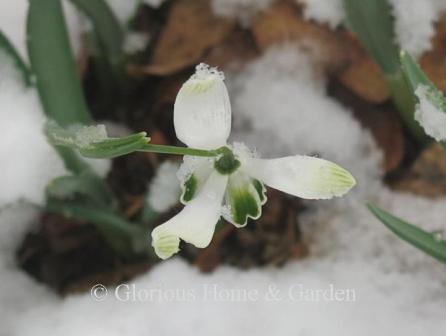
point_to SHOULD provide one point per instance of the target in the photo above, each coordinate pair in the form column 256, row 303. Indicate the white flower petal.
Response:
column 193, row 174
column 195, row 224
column 202, row 112
column 302, row 176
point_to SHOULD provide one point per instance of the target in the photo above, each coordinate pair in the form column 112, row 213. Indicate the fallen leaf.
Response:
column 364, row 77
column 191, row 30
column 338, row 51
column 434, row 61
column 284, row 22
column 235, row 51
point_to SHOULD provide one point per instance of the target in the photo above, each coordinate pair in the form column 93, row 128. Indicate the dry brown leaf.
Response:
column 283, row 22
column 190, row 31
column 364, row 77
column 338, row 50
column 434, row 61
column 235, row 51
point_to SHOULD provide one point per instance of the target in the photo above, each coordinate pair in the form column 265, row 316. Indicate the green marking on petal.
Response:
column 244, row 198
column 189, row 189
column 261, row 190
column 199, row 86
column 165, row 244
column 244, row 205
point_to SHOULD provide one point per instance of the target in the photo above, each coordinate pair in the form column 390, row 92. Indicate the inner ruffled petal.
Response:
column 194, row 224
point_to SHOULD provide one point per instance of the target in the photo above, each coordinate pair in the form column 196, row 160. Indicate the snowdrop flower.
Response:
column 230, row 185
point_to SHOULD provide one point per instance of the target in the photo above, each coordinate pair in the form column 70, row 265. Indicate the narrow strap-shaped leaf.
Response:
column 414, row 75
column 125, row 238
column 53, row 64
column 93, row 142
column 425, row 241
column 107, row 29
column 112, row 148
column 7, row 47
column 372, row 22
column 84, row 185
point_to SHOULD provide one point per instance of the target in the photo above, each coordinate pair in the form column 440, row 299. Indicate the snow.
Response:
column 18, row 291
column 431, row 117
column 164, row 189
column 414, row 20
column 75, row 135
column 135, row 42
column 242, row 10
column 31, row 161
column 398, row 290
column 330, row 12
column 125, row 9
column 415, row 24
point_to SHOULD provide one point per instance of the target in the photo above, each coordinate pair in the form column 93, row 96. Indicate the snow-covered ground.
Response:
column 414, row 19
column 280, row 107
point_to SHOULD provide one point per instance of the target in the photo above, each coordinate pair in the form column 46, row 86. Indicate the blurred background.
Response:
column 300, row 82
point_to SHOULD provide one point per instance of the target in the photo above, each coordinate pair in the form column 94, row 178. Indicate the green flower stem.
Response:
column 161, row 149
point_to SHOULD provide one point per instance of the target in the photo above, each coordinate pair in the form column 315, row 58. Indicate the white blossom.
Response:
column 231, row 184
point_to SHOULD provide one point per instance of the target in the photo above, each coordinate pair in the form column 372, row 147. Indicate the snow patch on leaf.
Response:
column 431, row 112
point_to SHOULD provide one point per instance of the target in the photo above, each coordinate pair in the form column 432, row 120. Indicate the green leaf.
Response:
column 372, row 22
column 7, row 47
column 415, row 77
column 413, row 73
column 425, row 241
column 84, row 185
column 114, row 147
column 93, row 142
column 107, row 29
column 53, row 64
column 127, row 239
